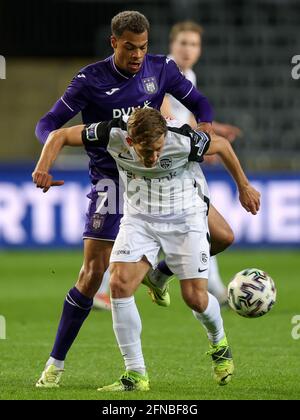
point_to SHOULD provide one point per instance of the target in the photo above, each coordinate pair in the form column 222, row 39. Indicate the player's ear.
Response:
column 113, row 41
column 129, row 141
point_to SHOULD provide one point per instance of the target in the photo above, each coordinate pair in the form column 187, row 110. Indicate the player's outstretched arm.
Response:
column 249, row 196
column 56, row 141
column 229, row 131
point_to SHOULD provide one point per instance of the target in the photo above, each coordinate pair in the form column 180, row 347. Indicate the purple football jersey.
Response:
column 101, row 92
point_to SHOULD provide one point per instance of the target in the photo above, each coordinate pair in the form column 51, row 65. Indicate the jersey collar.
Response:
column 119, row 72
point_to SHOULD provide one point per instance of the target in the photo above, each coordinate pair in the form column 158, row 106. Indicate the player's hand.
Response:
column 250, row 198
column 230, row 132
column 206, row 127
column 44, row 180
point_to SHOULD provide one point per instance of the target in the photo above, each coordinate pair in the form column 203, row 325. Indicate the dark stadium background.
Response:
column 249, row 72
column 245, row 71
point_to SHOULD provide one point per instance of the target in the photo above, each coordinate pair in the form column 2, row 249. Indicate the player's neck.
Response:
column 122, row 71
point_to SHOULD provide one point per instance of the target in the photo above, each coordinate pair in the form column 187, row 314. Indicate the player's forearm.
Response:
column 231, row 162
column 166, row 109
column 55, row 142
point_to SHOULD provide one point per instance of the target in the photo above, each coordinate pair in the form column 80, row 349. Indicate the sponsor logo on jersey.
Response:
column 146, row 104
column 150, row 85
column 122, row 252
column 127, row 156
column 111, row 91
column 165, row 163
column 119, row 112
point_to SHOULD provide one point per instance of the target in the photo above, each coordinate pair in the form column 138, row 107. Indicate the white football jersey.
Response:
column 172, row 189
column 179, row 111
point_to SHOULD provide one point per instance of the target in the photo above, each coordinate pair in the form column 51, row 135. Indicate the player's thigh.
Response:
column 186, row 247
column 95, row 263
column 97, row 254
column 219, row 229
column 135, row 241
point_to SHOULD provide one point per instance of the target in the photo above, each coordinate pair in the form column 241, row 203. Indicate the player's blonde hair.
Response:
column 145, row 126
column 185, row 26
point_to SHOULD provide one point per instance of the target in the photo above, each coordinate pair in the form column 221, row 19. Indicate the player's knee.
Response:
column 196, row 300
column 224, row 240
column 119, row 283
column 228, row 237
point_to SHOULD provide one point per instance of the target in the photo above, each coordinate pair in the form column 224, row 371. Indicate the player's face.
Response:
column 186, row 49
column 130, row 50
column 150, row 156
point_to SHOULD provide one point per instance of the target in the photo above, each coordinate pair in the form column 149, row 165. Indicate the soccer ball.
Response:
column 251, row 293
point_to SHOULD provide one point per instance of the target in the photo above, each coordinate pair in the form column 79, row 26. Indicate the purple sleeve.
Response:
column 73, row 101
column 184, row 91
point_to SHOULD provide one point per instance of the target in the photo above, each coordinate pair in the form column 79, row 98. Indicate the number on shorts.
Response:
column 102, row 197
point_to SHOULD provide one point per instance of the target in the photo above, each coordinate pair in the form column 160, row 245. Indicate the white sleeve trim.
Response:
column 67, row 104
column 188, row 92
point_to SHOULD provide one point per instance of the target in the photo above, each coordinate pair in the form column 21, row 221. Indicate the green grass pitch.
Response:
column 32, row 289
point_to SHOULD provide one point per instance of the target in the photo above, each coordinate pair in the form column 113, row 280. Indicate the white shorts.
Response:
column 185, row 245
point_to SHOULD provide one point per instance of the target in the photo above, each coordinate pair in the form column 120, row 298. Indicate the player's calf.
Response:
column 89, row 281
column 194, row 293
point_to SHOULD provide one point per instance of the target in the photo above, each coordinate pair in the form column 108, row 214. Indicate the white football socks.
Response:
column 128, row 327
column 58, row 363
column 215, row 284
column 212, row 320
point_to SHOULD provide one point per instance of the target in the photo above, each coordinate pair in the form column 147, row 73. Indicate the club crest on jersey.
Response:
column 204, row 257
column 165, row 163
column 97, row 221
column 150, row 85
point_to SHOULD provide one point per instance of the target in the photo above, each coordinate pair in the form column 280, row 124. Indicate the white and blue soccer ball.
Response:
column 251, row 293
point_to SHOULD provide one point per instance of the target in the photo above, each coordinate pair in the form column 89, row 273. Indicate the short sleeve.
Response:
column 199, row 145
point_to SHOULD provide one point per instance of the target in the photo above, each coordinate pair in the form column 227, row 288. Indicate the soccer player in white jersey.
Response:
column 185, row 50
column 163, row 209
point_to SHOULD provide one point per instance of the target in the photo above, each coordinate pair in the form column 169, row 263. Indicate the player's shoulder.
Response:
column 159, row 59
column 97, row 69
column 176, row 127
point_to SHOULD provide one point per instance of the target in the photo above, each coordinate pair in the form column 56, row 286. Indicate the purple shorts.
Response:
column 104, row 213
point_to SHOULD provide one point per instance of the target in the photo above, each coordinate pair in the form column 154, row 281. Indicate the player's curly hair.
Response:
column 129, row 20
column 145, row 126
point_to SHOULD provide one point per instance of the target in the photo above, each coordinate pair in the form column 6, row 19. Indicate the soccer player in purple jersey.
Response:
column 110, row 88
